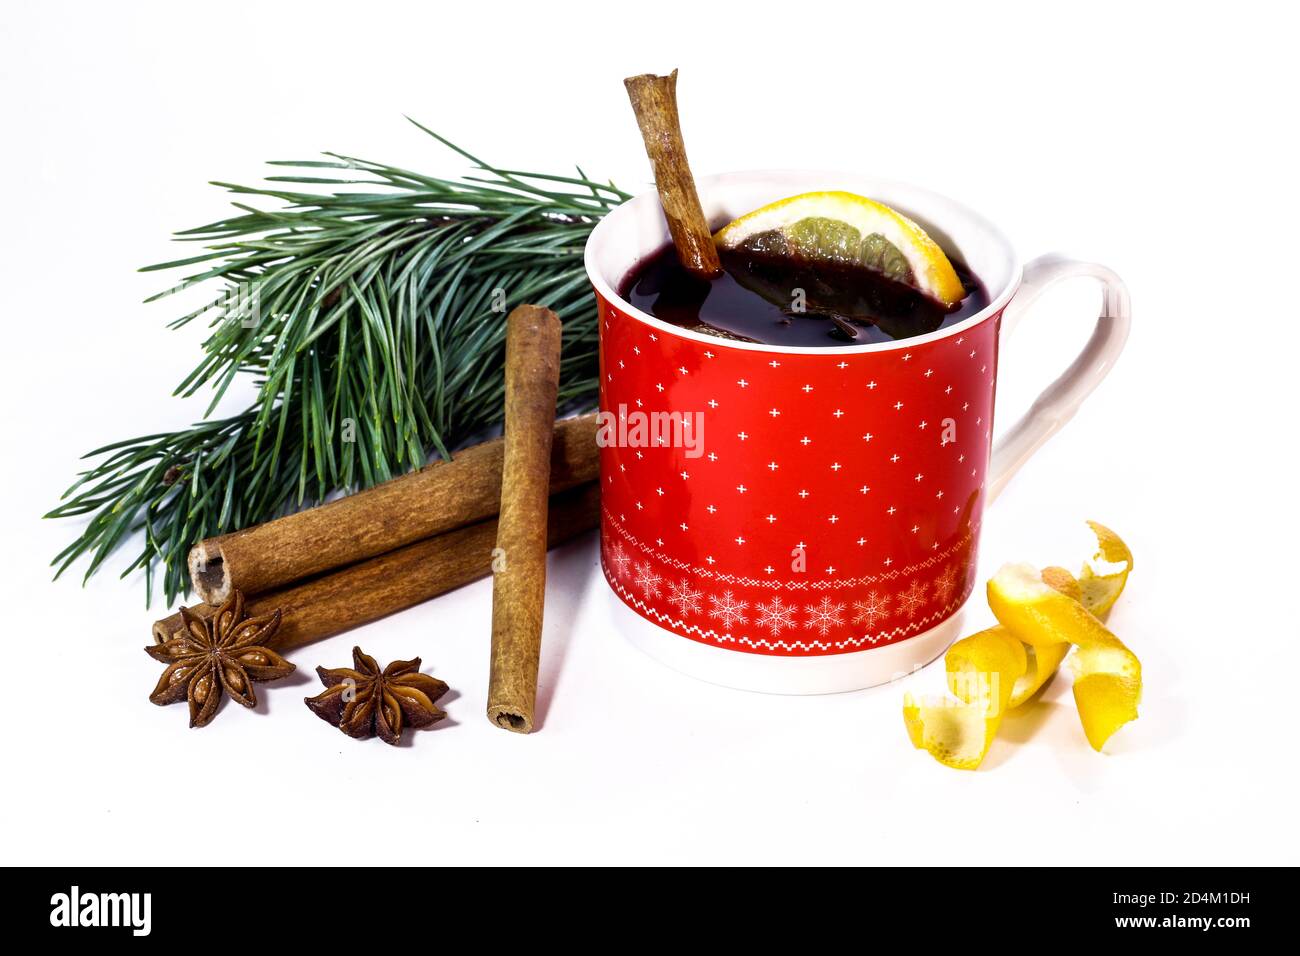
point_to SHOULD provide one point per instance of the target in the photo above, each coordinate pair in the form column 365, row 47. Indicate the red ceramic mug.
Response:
column 806, row 520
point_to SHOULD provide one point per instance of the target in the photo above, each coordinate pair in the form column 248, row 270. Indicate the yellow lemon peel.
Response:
column 1042, row 615
column 1043, row 665
column 1100, row 591
column 982, row 670
column 957, row 735
column 1107, row 675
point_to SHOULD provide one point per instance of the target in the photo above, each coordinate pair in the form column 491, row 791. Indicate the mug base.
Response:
column 771, row 674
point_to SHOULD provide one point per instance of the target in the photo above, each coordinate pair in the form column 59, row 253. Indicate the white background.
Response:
column 1158, row 142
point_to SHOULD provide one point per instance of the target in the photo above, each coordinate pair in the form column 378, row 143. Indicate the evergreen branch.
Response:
column 373, row 318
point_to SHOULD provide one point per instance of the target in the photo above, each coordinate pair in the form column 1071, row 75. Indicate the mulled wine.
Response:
column 765, row 295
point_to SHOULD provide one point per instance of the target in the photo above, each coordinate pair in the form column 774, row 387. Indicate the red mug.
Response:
column 806, row 520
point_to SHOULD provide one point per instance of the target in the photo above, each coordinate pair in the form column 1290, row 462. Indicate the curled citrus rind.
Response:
column 1107, row 675
column 1042, row 615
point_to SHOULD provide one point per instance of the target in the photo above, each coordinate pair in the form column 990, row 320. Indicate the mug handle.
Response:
column 1058, row 402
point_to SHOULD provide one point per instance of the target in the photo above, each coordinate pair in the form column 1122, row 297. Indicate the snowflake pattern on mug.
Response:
column 817, row 503
column 871, row 609
column 945, row 584
column 775, row 615
column 825, row 616
column 620, row 559
column 728, row 609
column 911, row 600
column 647, row 581
column 684, row 597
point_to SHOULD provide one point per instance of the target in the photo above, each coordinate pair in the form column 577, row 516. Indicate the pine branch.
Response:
column 373, row 318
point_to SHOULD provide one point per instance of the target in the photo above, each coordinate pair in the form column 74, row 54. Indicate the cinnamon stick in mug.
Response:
column 437, row 498
column 654, row 100
column 519, row 568
column 392, row 582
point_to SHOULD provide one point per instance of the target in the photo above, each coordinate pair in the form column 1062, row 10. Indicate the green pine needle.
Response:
column 373, row 318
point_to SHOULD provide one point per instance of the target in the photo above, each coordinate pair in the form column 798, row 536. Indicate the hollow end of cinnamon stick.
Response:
column 508, row 719
column 164, row 630
column 209, row 573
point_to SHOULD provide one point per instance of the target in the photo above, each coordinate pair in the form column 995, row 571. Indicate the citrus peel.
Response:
column 1100, row 591
column 1042, row 615
column 982, row 670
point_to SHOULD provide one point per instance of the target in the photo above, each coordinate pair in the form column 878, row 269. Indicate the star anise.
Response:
column 365, row 701
column 226, row 652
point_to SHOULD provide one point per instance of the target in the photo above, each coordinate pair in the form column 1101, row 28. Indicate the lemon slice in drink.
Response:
column 842, row 229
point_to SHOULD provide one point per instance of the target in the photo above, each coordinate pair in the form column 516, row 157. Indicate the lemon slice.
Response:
column 847, row 229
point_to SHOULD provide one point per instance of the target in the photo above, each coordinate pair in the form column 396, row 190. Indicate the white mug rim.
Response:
column 606, row 227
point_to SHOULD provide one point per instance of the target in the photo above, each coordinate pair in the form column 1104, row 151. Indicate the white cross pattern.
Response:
column 897, row 581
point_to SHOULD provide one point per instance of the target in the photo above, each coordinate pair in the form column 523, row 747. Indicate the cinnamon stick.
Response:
column 418, row 505
column 392, row 582
column 654, row 100
column 519, row 581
